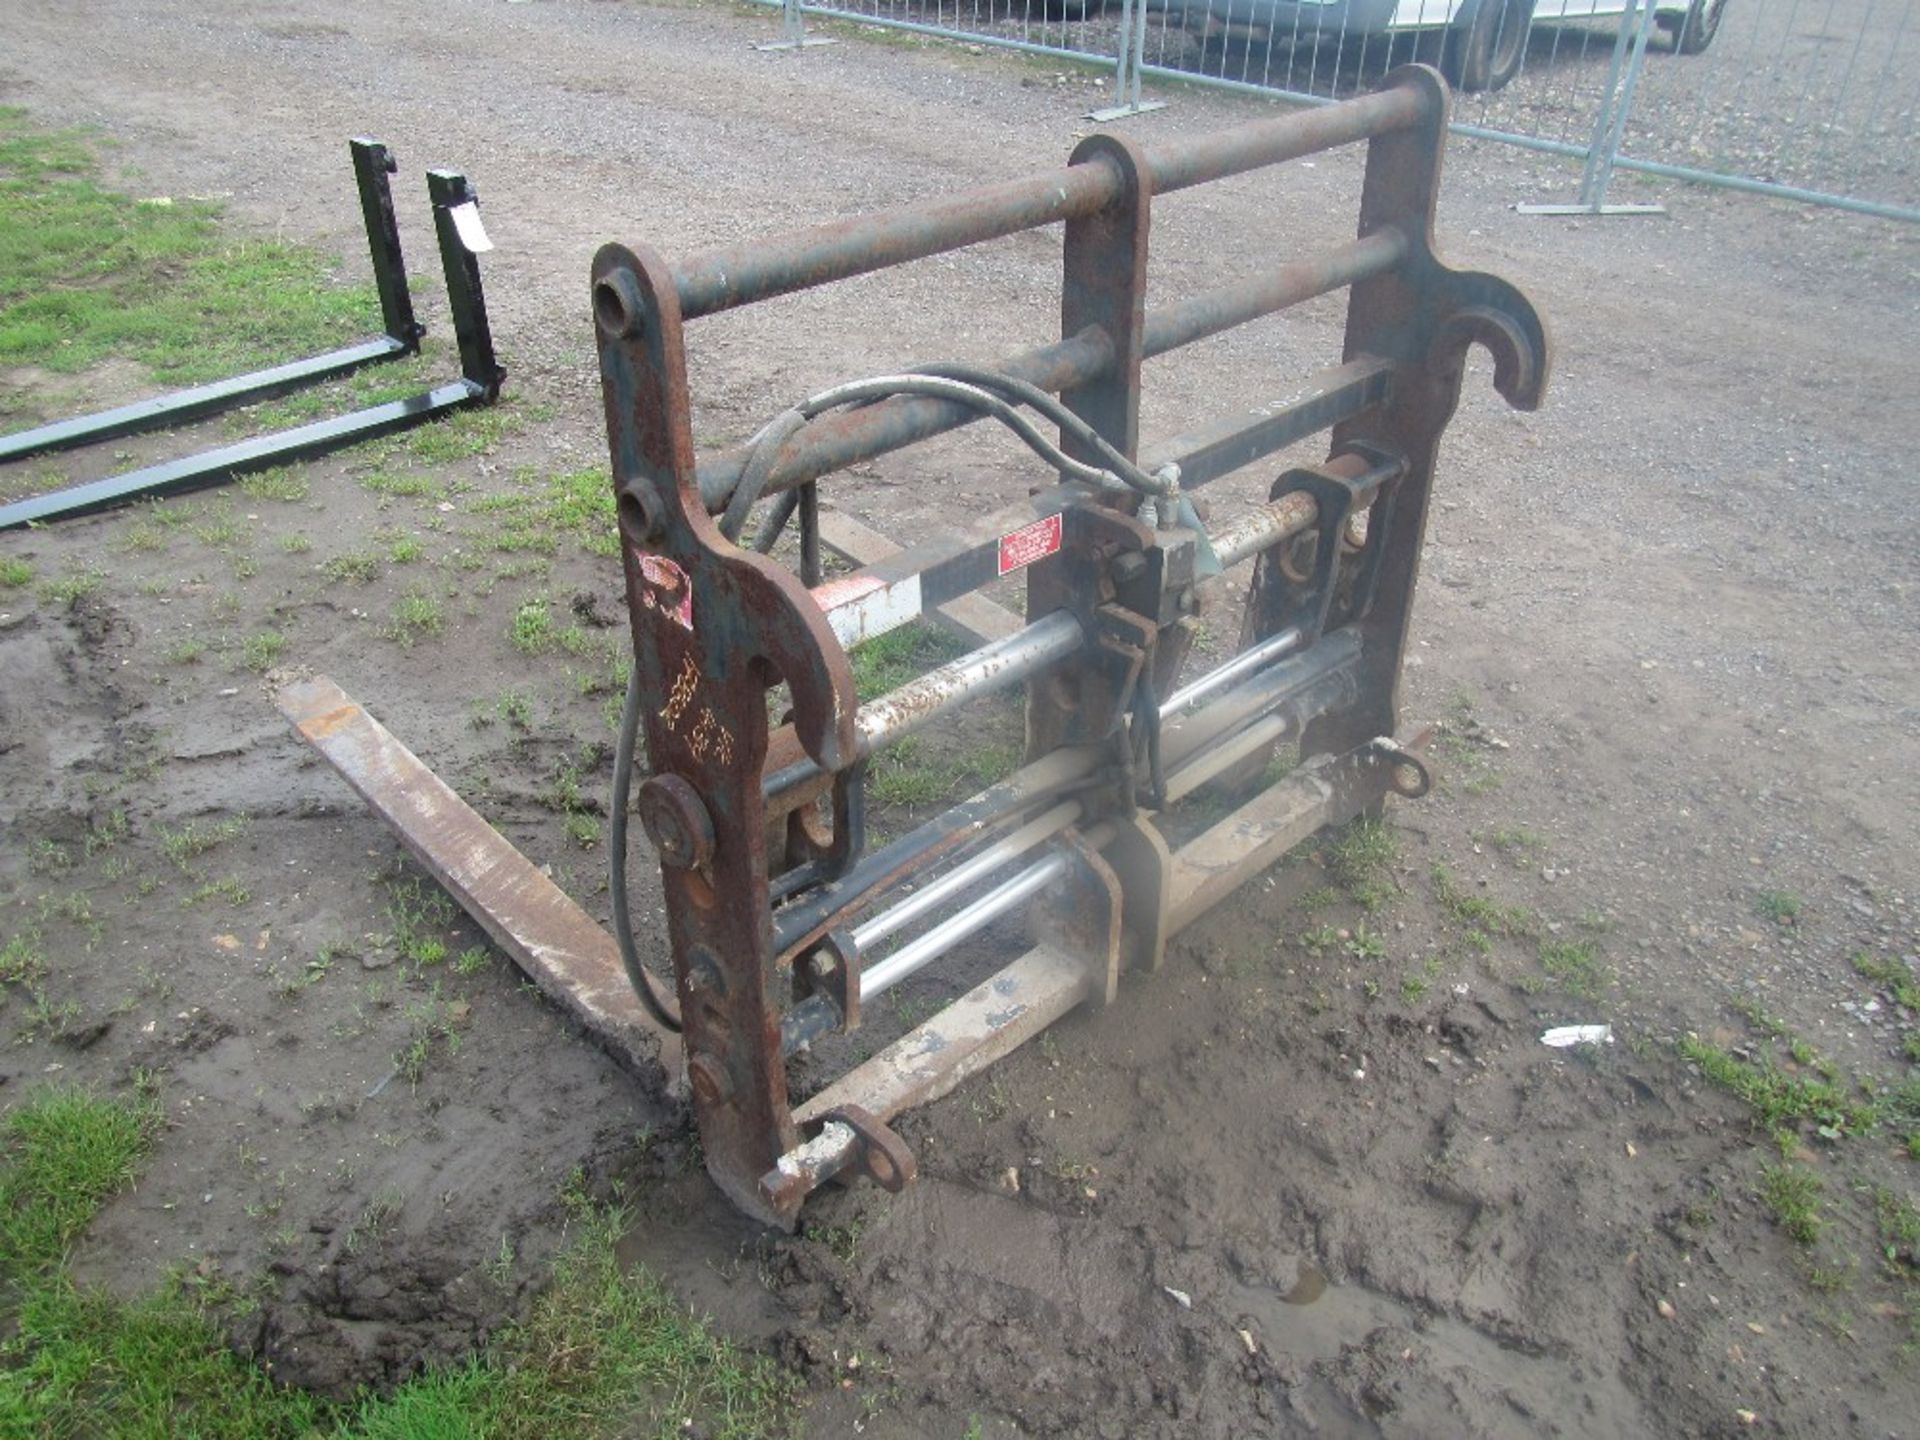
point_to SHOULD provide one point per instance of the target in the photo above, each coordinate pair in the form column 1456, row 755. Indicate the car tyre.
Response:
column 1487, row 52
column 1698, row 29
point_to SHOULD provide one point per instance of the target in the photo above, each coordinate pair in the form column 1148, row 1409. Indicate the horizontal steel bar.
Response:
column 560, row 947
column 262, row 452
column 993, row 1019
column 1222, row 446
column 973, row 618
column 1286, row 137
column 1332, row 655
column 1003, row 1012
column 849, row 437
column 810, row 916
column 921, row 701
column 1277, row 520
column 762, row 269
column 1186, row 321
column 935, row 893
column 1222, row 676
column 184, row 405
column 802, row 259
column 920, row 952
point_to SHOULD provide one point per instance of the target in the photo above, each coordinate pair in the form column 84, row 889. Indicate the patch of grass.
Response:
column 1893, row 976
column 1576, row 965
column 283, row 483
column 1781, row 1101
column 66, row 1152
column 1780, row 906
column 889, row 661
column 86, row 273
column 295, row 544
column 261, row 651
column 532, row 627
column 15, row 573
column 194, row 839
column 603, row 1351
column 1320, row 897
column 357, row 566
column 1360, row 860
column 229, row 889
column 1791, row 1194
column 70, row 590
column 904, row 775
column 416, row 615
column 405, row 550
column 22, row 962
column 1480, row 917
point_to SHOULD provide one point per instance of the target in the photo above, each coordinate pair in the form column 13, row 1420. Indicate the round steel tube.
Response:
column 761, row 269
column 923, row 950
column 930, row 896
column 1330, row 659
column 1183, row 780
column 1278, row 520
column 1287, row 137
column 1219, row 678
column 993, row 666
column 1183, row 323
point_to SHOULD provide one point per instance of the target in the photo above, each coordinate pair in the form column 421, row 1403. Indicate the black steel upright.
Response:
column 373, row 162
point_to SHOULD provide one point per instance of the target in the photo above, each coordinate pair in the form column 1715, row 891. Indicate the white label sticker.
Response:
column 466, row 224
column 874, row 612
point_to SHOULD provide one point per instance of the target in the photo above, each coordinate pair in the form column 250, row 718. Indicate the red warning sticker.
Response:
column 1029, row 543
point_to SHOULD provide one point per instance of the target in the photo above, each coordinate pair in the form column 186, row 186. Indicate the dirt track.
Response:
column 1669, row 620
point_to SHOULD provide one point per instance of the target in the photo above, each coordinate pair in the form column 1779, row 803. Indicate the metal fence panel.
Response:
column 1810, row 99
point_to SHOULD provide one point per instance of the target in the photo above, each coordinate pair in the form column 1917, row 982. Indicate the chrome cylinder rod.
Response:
column 919, row 702
column 923, row 950
column 1219, row 678
column 992, row 667
column 928, row 897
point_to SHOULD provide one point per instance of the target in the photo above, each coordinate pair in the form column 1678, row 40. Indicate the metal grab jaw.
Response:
column 789, row 921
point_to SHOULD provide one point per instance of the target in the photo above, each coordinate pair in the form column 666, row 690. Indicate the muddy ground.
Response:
column 1667, row 623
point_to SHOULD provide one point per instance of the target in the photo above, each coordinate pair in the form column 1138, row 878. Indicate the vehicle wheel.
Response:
column 1697, row 30
column 1487, row 53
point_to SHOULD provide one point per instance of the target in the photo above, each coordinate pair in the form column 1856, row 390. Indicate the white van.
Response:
column 1485, row 40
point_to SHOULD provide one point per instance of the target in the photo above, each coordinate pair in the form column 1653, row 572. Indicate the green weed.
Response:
column 1780, row 1101
column 1893, row 976
column 1791, row 1194
column 415, row 615
column 1780, row 906
column 70, row 590
column 261, row 651
column 1360, row 860
column 283, row 483
column 194, row 839
column 15, row 573
column 532, row 628
column 1576, row 965
column 356, row 566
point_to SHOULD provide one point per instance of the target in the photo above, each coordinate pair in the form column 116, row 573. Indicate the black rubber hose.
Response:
column 660, row 1002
